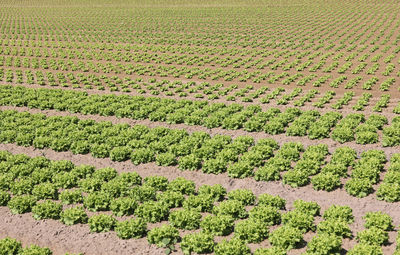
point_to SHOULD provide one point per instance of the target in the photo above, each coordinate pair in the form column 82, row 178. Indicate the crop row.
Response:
column 64, row 60
column 241, row 157
column 190, row 89
column 237, row 58
column 340, row 31
column 11, row 246
column 41, row 186
column 292, row 121
column 205, row 73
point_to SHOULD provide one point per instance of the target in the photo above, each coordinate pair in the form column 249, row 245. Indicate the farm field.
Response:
column 199, row 127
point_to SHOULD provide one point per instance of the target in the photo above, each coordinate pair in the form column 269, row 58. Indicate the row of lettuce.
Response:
column 60, row 190
column 12, row 246
column 241, row 157
column 292, row 121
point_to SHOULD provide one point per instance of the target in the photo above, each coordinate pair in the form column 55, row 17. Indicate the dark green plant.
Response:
column 123, row 206
column 97, row 201
column 242, row 195
column 232, row 247
column 286, row 237
column 307, row 207
column 185, row 219
column 71, row 197
column 21, row 204
column 165, row 236
column 133, row 228
column 73, row 216
column 101, row 223
column 220, row 225
column 199, row 243
column 152, row 211
column 47, row 210
column 251, row 230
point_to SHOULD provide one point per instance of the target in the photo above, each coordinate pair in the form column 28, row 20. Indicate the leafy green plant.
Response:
column 65, row 180
column 379, row 220
column 241, row 169
column 268, row 172
column 189, row 162
column 299, row 220
column 133, row 228
column 73, row 216
column 22, row 187
column 243, row 195
column 142, row 156
column 165, row 236
column 359, row 187
column 45, row 191
column 286, row 237
column 10, row 246
column 21, row 204
column 142, row 193
column 199, row 243
column 90, row 184
column 389, row 192
column 334, row 227
column 296, row 178
column 373, row 236
column 47, row 210
column 71, row 197
column 338, row 169
column 97, row 201
column 233, row 208
column 326, row 181
column 166, row 159
column 324, row 244
column 365, row 249
column 157, row 182
column 4, row 198
column 123, row 206
column 152, row 211
column 267, row 214
column 215, row 166
column 171, row 199
column 251, row 230
column 232, row 247
column 339, row 213
column 270, row 200
column 101, row 223
column 185, row 219
column 182, row 185
column 105, row 174
column 202, row 203
column 121, row 153
column 35, row 250
column 219, row 225
column 270, row 251
column 217, row 191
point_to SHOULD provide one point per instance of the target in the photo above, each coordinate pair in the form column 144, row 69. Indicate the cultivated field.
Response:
column 199, row 127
